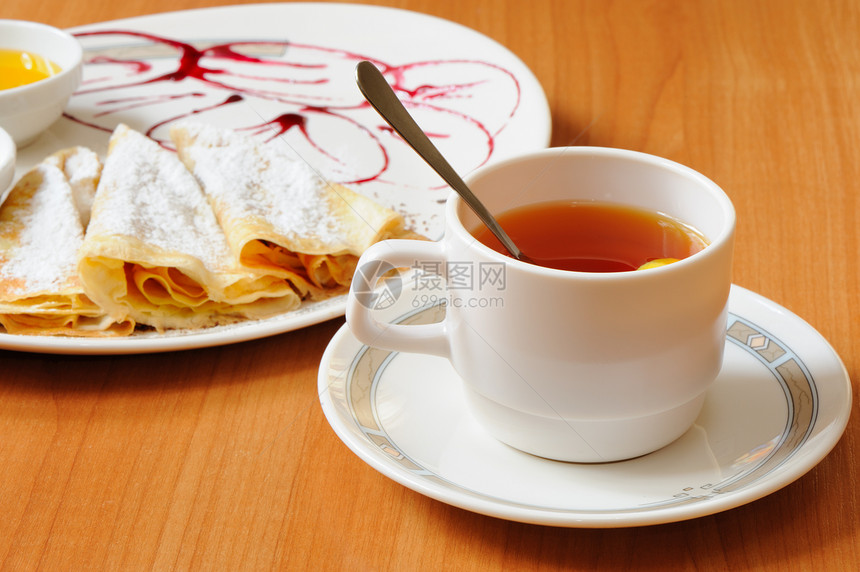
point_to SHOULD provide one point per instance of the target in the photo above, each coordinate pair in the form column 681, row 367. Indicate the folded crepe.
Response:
column 279, row 216
column 82, row 168
column 40, row 233
column 155, row 253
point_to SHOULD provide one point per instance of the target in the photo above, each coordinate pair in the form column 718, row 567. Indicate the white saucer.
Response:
column 778, row 407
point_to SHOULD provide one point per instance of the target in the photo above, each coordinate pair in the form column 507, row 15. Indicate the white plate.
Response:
column 290, row 67
column 780, row 404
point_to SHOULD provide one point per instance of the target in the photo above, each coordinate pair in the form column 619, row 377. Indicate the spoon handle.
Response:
column 379, row 94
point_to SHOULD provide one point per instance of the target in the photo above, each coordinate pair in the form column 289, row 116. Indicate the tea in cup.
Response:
column 594, row 236
column 601, row 351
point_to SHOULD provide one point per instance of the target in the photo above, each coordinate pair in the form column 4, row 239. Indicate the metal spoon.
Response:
column 383, row 99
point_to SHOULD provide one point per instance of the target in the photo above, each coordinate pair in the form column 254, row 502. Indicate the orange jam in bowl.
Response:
column 18, row 67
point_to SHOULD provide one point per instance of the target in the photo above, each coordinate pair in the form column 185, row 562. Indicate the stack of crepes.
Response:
column 234, row 230
column 42, row 225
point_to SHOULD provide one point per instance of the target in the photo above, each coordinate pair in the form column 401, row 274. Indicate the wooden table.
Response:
column 221, row 458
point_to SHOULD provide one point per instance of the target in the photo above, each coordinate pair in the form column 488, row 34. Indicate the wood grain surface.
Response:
column 221, row 458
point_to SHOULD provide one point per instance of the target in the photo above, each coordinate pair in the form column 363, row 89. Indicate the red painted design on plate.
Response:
column 303, row 94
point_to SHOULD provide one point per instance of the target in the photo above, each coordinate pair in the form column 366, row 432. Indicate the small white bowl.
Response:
column 27, row 110
column 7, row 162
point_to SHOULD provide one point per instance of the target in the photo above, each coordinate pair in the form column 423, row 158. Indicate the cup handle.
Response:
column 375, row 262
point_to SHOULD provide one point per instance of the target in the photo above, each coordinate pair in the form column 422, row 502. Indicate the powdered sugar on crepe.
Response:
column 264, row 181
column 152, row 197
column 49, row 233
column 82, row 168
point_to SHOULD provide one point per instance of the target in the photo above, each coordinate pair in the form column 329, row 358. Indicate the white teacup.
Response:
column 572, row 366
